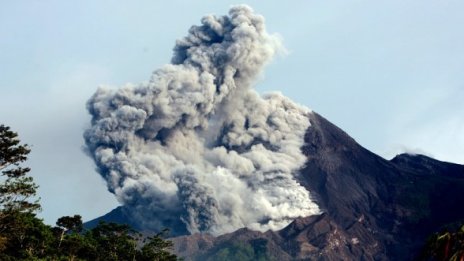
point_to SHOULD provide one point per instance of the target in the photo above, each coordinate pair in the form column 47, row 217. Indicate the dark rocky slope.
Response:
column 400, row 201
column 374, row 209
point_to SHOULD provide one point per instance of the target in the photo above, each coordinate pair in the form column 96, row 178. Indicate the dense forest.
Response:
column 24, row 236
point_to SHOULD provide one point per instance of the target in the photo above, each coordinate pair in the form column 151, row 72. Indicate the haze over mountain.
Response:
column 197, row 150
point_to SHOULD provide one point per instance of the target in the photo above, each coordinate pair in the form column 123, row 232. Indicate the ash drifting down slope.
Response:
column 196, row 149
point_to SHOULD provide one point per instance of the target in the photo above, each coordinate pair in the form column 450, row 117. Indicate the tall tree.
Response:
column 157, row 248
column 114, row 241
column 23, row 236
column 17, row 190
column 69, row 224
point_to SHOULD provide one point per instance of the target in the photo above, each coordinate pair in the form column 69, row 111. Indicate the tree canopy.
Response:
column 23, row 236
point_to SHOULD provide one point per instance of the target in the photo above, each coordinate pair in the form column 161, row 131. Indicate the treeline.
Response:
column 23, row 236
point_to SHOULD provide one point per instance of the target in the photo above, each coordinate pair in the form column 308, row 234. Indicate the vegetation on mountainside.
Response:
column 447, row 245
column 23, row 236
column 255, row 250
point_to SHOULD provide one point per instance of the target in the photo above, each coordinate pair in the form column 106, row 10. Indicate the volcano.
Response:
column 239, row 175
column 372, row 208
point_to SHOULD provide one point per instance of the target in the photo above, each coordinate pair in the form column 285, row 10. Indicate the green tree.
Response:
column 29, row 238
column 68, row 224
column 70, row 241
column 23, row 236
column 17, row 190
column 156, row 248
column 113, row 242
column 71, row 224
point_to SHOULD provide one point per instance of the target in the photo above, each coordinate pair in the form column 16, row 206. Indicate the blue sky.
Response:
column 387, row 72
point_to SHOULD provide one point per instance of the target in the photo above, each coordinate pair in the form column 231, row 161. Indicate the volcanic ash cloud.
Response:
column 196, row 149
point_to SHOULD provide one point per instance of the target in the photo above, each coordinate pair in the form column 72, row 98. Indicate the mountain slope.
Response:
column 374, row 209
column 401, row 201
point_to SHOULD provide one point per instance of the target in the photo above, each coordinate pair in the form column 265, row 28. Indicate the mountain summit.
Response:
column 196, row 149
column 372, row 208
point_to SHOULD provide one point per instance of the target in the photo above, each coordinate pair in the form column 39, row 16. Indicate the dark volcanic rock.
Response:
column 427, row 165
column 374, row 209
column 117, row 215
column 400, row 201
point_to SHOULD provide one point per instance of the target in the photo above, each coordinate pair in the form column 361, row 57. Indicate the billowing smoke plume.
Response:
column 195, row 148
